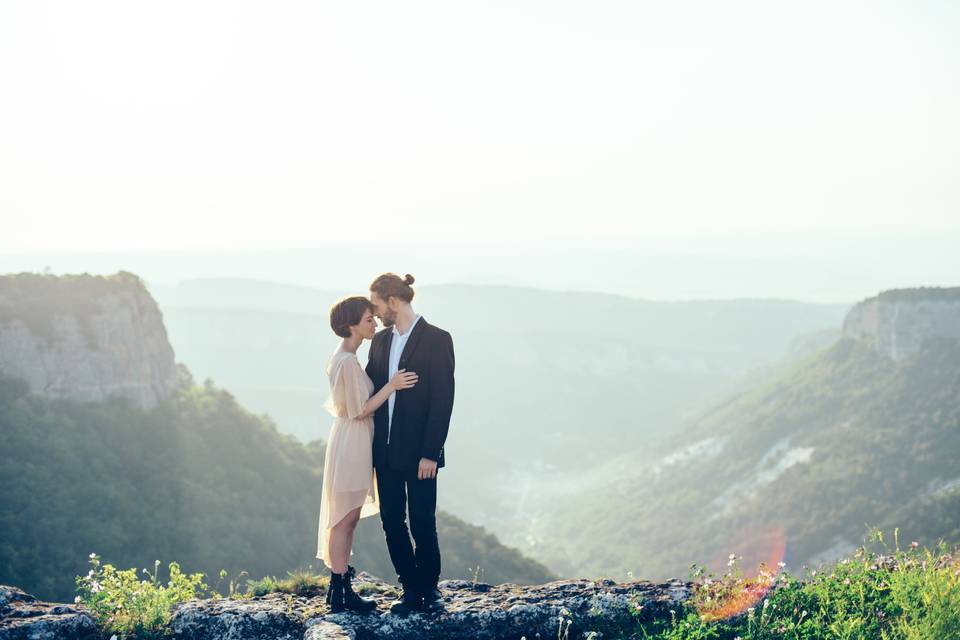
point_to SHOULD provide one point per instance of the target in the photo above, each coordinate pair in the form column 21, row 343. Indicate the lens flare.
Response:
column 730, row 596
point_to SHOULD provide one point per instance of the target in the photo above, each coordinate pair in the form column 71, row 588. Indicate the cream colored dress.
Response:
column 348, row 475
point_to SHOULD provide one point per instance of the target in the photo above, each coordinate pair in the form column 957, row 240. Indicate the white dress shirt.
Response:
column 396, row 349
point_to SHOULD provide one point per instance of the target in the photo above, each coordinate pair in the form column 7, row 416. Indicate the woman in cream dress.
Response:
column 349, row 487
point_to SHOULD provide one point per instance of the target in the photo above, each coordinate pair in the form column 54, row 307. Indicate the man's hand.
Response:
column 427, row 470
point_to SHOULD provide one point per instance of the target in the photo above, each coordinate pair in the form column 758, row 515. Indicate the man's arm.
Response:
column 441, row 397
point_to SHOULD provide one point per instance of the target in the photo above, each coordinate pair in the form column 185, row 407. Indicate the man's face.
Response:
column 382, row 310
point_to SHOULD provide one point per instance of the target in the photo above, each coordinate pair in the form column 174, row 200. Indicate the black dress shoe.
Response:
column 432, row 600
column 408, row 602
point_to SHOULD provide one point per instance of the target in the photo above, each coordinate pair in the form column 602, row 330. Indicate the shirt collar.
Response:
column 404, row 335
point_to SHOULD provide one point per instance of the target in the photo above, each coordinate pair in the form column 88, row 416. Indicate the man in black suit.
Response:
column 409, row 433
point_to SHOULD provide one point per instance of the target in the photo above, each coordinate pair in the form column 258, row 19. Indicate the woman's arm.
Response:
column 402, row 380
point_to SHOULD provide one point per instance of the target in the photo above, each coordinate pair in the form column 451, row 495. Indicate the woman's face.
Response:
column 367, row 327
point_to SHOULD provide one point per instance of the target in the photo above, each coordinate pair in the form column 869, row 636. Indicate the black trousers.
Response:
column 399, row 491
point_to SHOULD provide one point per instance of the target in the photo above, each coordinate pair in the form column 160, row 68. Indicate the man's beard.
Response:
column 388, row 320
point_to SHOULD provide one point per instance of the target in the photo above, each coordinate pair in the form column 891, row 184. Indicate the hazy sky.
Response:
column 136, row 125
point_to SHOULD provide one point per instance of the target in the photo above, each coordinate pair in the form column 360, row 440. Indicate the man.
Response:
column 409, row 433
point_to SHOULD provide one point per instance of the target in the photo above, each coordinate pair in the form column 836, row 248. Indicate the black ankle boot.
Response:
column 335, row 592
column 351, row 600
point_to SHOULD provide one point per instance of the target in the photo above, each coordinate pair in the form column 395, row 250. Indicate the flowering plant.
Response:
column 122, row 603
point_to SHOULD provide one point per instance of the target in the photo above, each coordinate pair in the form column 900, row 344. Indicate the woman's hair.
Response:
column 348, row 312
column 390, row 284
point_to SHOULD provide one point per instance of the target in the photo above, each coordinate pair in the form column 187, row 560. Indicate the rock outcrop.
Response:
column 476, row 611
column 897, row 322
column 85, row 337
column 23, row 617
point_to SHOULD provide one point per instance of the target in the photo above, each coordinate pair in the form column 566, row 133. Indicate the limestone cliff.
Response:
column 85, row 337
column 896, row 322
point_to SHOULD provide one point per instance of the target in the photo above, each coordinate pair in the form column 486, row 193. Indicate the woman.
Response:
column 349, row 487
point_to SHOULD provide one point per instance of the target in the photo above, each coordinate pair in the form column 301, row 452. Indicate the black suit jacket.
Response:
column 421, row 415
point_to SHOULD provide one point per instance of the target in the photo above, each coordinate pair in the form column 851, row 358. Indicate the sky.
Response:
column 209, row 125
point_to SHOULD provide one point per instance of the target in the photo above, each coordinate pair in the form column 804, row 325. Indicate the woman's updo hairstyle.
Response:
column 348, row 312
column 390, row 284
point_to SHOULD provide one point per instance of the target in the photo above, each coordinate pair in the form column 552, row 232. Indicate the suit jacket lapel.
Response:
column 415, row 334
column 383, row 357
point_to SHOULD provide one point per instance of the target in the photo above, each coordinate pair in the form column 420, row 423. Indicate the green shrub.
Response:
column 129, row 607
column 123, row 604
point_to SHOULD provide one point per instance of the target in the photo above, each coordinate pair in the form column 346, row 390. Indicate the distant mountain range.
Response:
column 820, row 265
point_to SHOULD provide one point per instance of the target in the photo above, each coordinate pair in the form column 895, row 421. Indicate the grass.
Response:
column 909, row 594
column 301, row 582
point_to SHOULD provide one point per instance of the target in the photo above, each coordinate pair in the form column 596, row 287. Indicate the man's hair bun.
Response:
column 391, row 285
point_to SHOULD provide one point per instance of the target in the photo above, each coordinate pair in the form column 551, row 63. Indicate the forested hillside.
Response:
column 795, row 468
column 198, row 479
